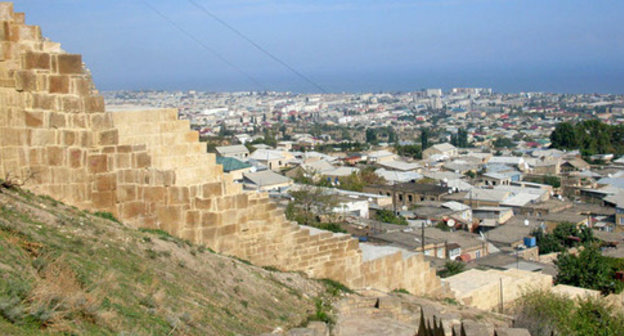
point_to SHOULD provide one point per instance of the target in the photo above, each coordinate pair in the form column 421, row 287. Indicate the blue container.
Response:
column 363, row 239
column 530, row 241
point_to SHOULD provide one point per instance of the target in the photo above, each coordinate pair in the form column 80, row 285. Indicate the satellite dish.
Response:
column 526, row 222
column 450, row 223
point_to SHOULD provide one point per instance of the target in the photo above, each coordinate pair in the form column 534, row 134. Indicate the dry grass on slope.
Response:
column 66, row 271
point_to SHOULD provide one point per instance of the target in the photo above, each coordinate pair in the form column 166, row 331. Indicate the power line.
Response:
column 257, row 46
column 203, row 45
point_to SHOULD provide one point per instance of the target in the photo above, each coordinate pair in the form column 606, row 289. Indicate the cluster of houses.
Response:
column 460, row 204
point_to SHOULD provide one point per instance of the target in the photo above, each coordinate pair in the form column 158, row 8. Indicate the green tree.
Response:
column 565, row 232
column 413, row 151
column 503, row 142
column 590, row 137
column 358, row 180
column 424, row 138
column 462, row 138
column 451, row 268
column 588, row 269
column 345, row 135
column 562, row 237
column 309, row 203
column 371, row 136
column 564, row 137
column 388, row 216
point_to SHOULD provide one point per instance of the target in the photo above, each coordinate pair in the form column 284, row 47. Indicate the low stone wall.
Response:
column 482, row 289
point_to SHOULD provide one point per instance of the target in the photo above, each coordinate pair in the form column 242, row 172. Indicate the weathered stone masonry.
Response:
column 150, row 170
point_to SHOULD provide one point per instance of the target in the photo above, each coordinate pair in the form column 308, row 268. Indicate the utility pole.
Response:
column 501, row 295
column 422, row 236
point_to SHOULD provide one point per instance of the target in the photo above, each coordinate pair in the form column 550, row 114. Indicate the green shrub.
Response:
column 106, row 215
column 333, row 227
column 451, row 268
column 388, row 216
column 335, row 288
column 164, row 235
column 400, row 290
column 543, row 312
column 271, row 268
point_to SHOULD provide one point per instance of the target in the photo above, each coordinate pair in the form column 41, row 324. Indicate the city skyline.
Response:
column 511, row 46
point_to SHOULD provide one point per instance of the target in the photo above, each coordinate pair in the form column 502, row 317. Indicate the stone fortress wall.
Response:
column 150, row 170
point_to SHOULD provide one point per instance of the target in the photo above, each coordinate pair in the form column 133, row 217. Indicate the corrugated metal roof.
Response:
column 231, row 164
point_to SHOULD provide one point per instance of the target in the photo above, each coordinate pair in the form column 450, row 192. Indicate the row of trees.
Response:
column 373, row 135
column 590, row 137
column 412, row 151
column 356, row 181
column 460, row 139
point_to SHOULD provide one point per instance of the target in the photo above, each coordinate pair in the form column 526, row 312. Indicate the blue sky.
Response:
column 345, row 45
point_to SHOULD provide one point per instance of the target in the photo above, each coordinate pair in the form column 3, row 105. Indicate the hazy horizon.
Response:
column 559, row 46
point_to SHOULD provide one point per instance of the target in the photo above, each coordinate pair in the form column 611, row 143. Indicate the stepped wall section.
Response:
column 150, row 170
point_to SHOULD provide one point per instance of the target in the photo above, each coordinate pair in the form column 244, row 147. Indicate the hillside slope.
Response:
column 63, row 270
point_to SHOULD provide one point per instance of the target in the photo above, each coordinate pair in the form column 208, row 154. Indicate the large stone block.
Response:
column 98, row 163
column 77, row 120
column 58, row 84
column 203, row 203
column 57, row 120
column 132, row 209
column 212, row 189
column 210, row 219
column 126, row 193
column 94, row 104
column 25, row 81
column 123, row 161
column 142, row 160
column 19, row 17
column 34, row 119
column 6, row 11
column 101, row 121
column 34, row 60
column 155, row 194
column 105, row 182
column 69, row 138
column 55, row 156
column 22, row 33
column 44, row 102
column 193, row 218
column 101, row 200
column 71, row 104
column 110, row 137
column 42, row 137
column 178, row 195
column 69, row 64
column 76, row 158
column 171, row 217
column 80, row 86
